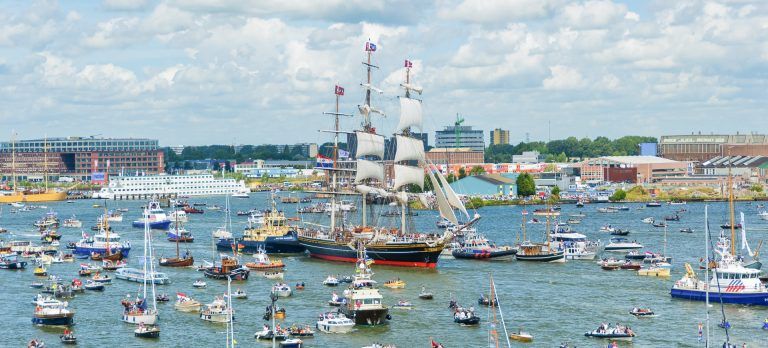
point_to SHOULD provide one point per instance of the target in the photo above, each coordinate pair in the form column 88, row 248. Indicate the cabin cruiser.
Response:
column 575, row 245
column 620, row 245
column 476, row 246
column 335, row 322
column 157, row 218
column 138, row 275
column 217, row 311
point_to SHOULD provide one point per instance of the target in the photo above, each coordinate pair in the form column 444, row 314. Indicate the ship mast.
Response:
column 730, row 205
column 45, row 162
column 339, row 92
column 13, row 160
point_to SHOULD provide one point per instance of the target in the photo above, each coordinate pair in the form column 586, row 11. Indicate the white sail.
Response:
column 442, row 204
column 410, row 114
column 402, row 197
column 369, row 170
column 365, row 189
column 424, row 200
column 409, row 149
column 405, row 175
column 744, row 244
column 369, row 144
column 366, row 109
column 450, row 194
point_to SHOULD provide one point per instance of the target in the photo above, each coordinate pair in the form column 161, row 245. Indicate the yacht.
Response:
column 156, row 218
column 575, row 245
column 241, row 193
column 180, row 185
column 621, row 245
column 138, row 275
column 217, row 311
column 363, row 300
column 334, row 322
column 52, row 312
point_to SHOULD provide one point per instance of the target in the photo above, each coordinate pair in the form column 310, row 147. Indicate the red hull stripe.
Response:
column 378, row 262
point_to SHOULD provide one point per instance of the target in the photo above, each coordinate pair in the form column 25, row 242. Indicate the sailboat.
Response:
column 396, row 247
column 177, row 261
column 493, row 334
column 229, row 267
column 17, row 196
column 138, row 311
column 540, row 252
column 754, row 263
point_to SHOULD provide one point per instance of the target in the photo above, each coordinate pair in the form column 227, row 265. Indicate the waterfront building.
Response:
column 630, row 169
column 499, row 137
column 745, row 166
column 464, row 136
column 80, row 158
column 452, row 156
column 527, row 157
column 487, row 185
column 701, row 147
column 259, row 168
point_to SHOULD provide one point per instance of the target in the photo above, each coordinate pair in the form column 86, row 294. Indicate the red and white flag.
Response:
column 370, row 47
column 339, row 90
column 408, row 64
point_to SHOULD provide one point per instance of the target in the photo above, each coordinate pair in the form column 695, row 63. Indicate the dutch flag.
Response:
column 324, row 162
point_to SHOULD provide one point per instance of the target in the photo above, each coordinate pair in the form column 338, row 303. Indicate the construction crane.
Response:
column 457, row 129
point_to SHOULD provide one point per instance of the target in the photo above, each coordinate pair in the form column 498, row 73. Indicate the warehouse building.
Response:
column 630, row 169
column 487, row 185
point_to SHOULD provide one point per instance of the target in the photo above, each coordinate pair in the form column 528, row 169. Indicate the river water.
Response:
column 554, row 302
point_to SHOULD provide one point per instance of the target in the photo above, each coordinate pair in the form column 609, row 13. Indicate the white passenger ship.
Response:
column 182, row 185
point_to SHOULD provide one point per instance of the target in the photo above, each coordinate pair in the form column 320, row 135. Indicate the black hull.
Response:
column 417, row 255
column 369, row 317
column 239, row 274
column 483, row 255
column 540, row 258
column 287, row 244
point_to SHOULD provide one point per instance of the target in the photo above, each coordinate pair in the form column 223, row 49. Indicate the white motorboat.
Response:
column 331, row 281
column 186, row 304
column 199, row 284
column 274, row 275
column 334, row 322
column 649, row 220
column 620, row 245
column 137, row 275
column 575, row 245
column 281, row 290
column 763, row 215
column 178, row 216
column 217, row 311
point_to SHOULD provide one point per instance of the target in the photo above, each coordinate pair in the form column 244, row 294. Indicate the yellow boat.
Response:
column 22, row 197
column 654, row 271
column 41, row 271
column 521, row 336
column 395, row 284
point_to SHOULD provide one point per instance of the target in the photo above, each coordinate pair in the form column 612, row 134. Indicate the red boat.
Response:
column 192, row 210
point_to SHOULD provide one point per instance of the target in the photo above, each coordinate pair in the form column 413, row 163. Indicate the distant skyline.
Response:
column 195, row 72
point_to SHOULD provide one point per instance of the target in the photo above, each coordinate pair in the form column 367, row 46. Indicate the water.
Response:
column 554, row 302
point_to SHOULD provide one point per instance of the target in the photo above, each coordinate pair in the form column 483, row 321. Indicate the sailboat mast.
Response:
column 706, row 272
column 501, row 313
column 665, row 241
column 146, row 246
column 493, row 336
column 730, row 205
column 45, row 162
column 177, row 234
column 523, row 218
column 13, row 160
column 335, row 158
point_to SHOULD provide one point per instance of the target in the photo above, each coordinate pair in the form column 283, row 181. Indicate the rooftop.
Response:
column 736, row 162
column 453, row 149
column 639, row 159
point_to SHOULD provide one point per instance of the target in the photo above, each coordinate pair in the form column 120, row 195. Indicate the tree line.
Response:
column 571, row 147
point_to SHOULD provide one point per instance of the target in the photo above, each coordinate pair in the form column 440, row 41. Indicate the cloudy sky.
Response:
column 263, row 71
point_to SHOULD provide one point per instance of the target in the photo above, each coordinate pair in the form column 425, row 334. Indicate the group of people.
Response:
column 617, row 329
column 463, row 313
column 133, row 307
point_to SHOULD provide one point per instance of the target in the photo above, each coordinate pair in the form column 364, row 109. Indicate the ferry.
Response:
column 100, row 242
column 181, row 185
column 731, row 281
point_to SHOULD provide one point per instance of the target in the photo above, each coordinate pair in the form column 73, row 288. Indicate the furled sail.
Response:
column 744, row 244
column 369, row 170
column 369, row 144
column 410, row 114
column 405, row 175
column 442, row 204
column 409, row 149
column 450, row 194
column 402, row 197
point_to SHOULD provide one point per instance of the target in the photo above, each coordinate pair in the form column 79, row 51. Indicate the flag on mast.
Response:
column 408, row 64
column 370, row 47
column 324, row 162
column 339, row 90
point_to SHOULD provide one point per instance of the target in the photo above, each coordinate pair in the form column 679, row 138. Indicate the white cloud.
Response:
column 594, row 14
column 490, row 11
column 125, row 5
column 563, row 77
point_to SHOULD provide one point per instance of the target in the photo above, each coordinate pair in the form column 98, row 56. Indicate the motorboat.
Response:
column 655, row 270
column 620, row 232
column 476, row 246
column 648, row 220
column 336, row 300
column 335, row 322
column 229, row 267
column 93, row 286
column 217, row 311
column 575, row 246
column 301, row 331
column 763, row 215
column 267, row 334
column 642, row 312
column 52, row 312
column 273, row 275
column 659, row 224
column 68, row 337
column 181, row 235
column 156, row 218
column 11, row 261
column 138, row 312
column 185, row 303
column 199, row 284
column 653, row 204
column 331, row 281
column 521, row 336
column 262, row 262
column 629, row 265
column 101, row 278
column 465, row 317
column 403, row 305
column 622, row 245
column 239, row 293
column 395, row 284
column 618, row 332
column 147, row 331
column 686, row 230
column 72, row 222
column 292, row 343
column 281, row 290
column 425, row 295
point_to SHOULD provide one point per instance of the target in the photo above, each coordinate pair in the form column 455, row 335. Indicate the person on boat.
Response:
column 765, row 324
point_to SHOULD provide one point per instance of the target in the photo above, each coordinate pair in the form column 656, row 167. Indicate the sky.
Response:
column 194, row 72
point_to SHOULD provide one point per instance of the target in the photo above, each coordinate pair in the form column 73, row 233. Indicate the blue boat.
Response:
column 156, row 218
column 99, row 244
column 53, row 313
column 155, row 225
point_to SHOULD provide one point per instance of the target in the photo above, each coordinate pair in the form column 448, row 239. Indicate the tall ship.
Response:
column 396, row 246
column 182, row 185
column 274, row 236
column 364, row 303
column 33, row 195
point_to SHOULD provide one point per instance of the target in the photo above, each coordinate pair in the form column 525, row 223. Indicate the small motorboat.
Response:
column 345, row 279
column 93, row 286
column 199, row 284
column 425, row 295
column 335, row 300
column 147, row 331
column 619, row 232
column 655, row 270
column 40, row 271
column 618, row 332
column 649, row 220
column 403, row 305
column 36, row 285
column 610, row 267
column 297, row 331
column 292, row 343
column 659, row 224
column 279, row 313
column 607, row 228
column 686, row 230
column 630, row 266
column 281, row 290
column 642, row 312
column 521, row 336
column 162, row 297
column 299, row 286
column 274, row 275
column 395, row 284
column 68, row 337
column 331, row 281
column 485, row 301
column 727, row 226
column 101, row 278
column 186, row 304
column 335, row 322
column 239, row 293
column 267, row 334
column 675, row 217
column 465, row 317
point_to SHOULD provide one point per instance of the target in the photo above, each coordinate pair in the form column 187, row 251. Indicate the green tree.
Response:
column 525, row 185
column 618, row 195
column 477, row 170
column 756, row 188
column 462, row 173
column 556, row 191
